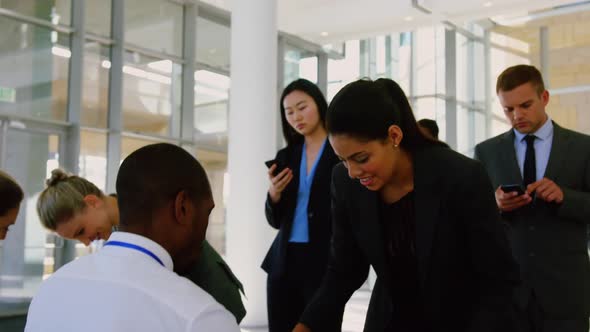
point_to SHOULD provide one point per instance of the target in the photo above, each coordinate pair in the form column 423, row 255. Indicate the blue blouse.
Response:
column 300, row 229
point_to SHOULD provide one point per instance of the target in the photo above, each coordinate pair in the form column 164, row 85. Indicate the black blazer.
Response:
column 467, row 273
column 280, row 215
column 549, row 241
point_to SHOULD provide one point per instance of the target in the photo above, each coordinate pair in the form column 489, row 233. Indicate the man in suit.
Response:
column 548, row 222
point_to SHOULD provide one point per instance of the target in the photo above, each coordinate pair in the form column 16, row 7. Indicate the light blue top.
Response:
column 300, row 229
column 542, row 145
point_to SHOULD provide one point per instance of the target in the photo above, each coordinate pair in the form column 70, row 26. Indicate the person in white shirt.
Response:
column 132, row 283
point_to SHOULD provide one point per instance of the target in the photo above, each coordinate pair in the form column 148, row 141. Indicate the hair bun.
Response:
column 57, row 175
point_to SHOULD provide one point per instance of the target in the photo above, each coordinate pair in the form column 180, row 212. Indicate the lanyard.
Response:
column 134, row 247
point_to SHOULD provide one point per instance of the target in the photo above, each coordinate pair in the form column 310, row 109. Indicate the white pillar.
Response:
column 252, row 132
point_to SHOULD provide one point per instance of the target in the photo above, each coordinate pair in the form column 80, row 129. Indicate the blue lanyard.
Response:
column 134, row 247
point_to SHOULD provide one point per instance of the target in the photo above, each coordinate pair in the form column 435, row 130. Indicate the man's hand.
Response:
column 546, row 190
column 301, row 328
column 509, row 201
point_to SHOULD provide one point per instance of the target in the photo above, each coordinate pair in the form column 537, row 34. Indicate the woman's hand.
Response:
column 278, row 183
column 301, row 328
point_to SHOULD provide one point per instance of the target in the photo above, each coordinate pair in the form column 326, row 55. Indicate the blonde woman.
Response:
column 75, row 208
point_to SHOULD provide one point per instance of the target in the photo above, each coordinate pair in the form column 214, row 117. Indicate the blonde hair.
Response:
column 63, row 198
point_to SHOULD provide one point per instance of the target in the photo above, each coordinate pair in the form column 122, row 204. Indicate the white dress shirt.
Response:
column 125, row 289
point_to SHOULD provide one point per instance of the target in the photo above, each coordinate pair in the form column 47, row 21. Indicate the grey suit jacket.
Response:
column 549, row 240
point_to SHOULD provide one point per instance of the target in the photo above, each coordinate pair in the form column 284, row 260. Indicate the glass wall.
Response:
column 130, row 96
column 34, row 62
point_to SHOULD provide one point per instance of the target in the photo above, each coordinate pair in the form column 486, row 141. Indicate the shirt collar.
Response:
column 145, row 243
column 543, row 133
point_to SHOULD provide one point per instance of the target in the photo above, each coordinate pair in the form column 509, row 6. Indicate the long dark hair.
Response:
column 310, row 89
column 11, row 193
column 366, row 109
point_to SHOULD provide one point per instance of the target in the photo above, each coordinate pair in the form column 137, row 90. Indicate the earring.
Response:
column 396, row 145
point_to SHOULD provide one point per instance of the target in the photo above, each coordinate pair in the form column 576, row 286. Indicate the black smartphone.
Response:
column 280, row 166
column 512, row 187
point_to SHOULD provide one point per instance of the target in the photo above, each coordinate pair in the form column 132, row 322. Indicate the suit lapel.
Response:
column 509, row 161
column 557, row 155
column 426, row 208
column 324, row 166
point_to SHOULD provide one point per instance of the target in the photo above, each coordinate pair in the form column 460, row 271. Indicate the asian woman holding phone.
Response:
column 298, row 205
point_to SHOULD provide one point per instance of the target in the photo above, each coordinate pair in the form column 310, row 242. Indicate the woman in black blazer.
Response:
column 298, row 205
column 421, row 214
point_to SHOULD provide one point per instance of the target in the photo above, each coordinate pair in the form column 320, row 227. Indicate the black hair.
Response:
column 366, row 109
column 429, row 125
column 310, row 89
column 11, row 193
column 152, row 176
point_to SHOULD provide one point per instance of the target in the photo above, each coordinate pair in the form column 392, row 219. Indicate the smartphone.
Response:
column 280, row 166
column 512, row 187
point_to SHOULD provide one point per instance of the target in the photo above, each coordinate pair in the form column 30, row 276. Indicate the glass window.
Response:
column 155, row 25
column 344, row 71
column 440, row 62
column 215, row 164
column 434, row 109
column 500, row 60
column 479, row 74
column 464, row 139
column 97, row 17
column 462, row 69
column 95, row 85
column 499, row 127
column 211, row 102
column 425, row 108
column 430, row 61
column 405, row 61
column 93, row 157
column 151, row 95
column 381, row 55
column 34, row 62
column 25, row 255
column 300, row 64
column 441, row 119
column 55, row 11
column 130, row 144
column 479, row 130
column 470, row 70
column 213, row 44
column 425, row 61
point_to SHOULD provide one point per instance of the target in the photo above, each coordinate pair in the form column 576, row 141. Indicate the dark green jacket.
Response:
column 214, row 276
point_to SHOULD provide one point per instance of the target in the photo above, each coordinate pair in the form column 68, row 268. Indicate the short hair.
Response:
column 152, row 176
column 429, row 125
column 63, row 198
column 310, row 89
column 515, row 76
column 11, row 193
